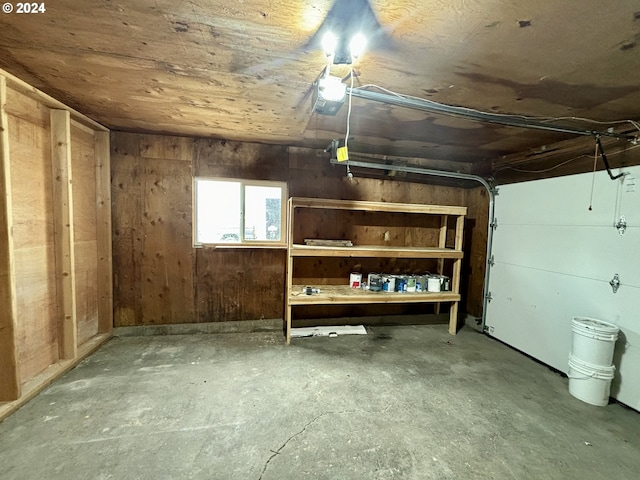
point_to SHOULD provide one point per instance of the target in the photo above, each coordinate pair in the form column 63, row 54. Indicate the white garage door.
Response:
column 554, row 259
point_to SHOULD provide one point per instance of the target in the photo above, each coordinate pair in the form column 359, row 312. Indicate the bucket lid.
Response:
column 598, row 326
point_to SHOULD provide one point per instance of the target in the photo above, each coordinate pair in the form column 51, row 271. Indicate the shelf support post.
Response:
column 64, row 232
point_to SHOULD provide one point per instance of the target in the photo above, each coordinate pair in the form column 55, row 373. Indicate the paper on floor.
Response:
column 332, row 331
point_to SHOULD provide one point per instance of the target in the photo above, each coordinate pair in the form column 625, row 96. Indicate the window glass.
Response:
column 238, row 211
column 262, row 212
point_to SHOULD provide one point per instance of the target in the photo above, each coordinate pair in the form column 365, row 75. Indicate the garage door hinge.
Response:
column 621, row 226
column 494, row 224
column 615, row 283
column 488, row 296
column 492, row 261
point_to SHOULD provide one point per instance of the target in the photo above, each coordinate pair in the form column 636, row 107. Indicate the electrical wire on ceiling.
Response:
column 562, row 164
column 635, row 124
column 346, row 137
column 495, row 118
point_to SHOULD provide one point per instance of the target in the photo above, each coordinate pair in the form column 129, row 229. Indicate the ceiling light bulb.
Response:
column 329, row 43
column 332, row 88
column 358, row 42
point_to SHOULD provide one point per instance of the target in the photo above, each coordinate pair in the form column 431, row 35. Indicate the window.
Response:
column 239, row 212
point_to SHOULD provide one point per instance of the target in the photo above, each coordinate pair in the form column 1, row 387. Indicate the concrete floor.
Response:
column 401, row 402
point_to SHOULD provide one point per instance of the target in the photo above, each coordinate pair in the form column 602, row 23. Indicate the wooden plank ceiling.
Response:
column 243, row 69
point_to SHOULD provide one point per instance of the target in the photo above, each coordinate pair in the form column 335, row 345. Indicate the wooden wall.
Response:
column 159, row 278
column 33, row 235
column 474, row 265
column 55, row 277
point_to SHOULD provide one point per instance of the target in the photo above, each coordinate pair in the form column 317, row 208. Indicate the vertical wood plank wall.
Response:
column 9, row 379
column 37, row 331
column 85, row 211
column 159, row 278
column 49, row 282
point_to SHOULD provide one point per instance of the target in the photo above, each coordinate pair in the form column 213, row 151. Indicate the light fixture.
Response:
column 329, row 44
column 357, row 45
column 329, row 96
column 332, row 88
column 339, row 51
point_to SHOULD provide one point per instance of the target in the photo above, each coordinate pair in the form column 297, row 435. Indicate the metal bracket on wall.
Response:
column 621, row 225
column 615, row 283
column 494, row 224
column 489, row 297
column 492, row 261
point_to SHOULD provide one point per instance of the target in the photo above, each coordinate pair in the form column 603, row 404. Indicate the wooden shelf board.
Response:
column 343, row 294
column 376, row 206
column 298, row 250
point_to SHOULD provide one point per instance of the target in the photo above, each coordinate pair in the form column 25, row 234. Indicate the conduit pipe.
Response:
column 507, row 120
column 460, row 176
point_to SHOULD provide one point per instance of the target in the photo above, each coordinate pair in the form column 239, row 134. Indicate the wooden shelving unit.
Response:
column 407, row 236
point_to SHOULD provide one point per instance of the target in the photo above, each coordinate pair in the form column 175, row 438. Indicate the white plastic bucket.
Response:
column 590, row 383
column 593, row 341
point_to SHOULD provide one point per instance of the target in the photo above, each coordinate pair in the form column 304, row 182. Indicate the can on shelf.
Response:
column 375, row 282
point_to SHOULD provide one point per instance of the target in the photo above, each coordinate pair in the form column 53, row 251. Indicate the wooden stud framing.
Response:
column 455, row 281
column 32, row 92
column 103, row 225
column 16, row 388
column 63, row 222
column 442, row 243
column 9, row 381
column 289, row 273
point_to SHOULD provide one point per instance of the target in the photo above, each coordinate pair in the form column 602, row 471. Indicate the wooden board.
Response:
column 83, row 160
column 234, row 285
column 167, row 245
column 153, row 251
column 365, row 251
column 474, row 266
column 127, row 177
column 31, row 182
column 9, row 381
column 64, row 226
column 37, row 330
column 104, row 232
column 346, row 295
column 86, row 260
column 251, row 161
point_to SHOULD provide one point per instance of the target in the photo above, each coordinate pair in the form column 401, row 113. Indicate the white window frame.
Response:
column 281, row 243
